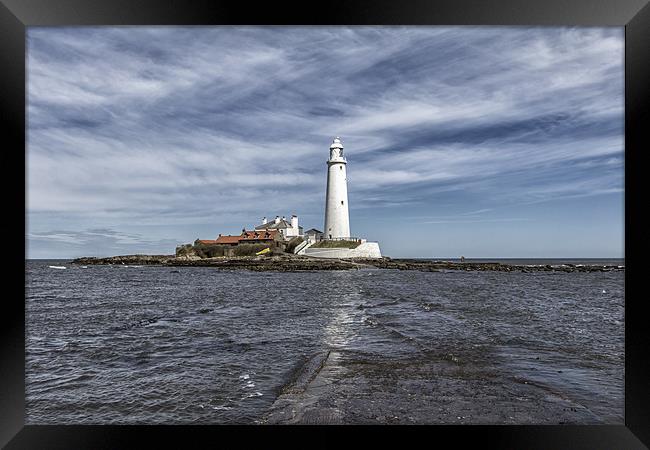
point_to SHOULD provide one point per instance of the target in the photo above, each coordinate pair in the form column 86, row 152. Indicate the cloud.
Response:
column 98, row 242
column 504, row 219
column 182, row 125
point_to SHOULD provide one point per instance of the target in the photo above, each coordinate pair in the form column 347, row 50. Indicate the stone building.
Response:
column 246, row 237
column 313, row 235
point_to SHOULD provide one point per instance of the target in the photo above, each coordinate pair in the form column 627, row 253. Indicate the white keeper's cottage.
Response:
column 287, row 229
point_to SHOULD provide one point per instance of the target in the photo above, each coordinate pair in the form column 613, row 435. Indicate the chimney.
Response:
column 277, row 219
column 284, row 218
column 294, row 222
column 264, row 221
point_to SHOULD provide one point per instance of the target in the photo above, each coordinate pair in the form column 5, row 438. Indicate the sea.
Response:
column 196, row 345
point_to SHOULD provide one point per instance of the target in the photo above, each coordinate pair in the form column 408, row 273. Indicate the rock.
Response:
column 125, row 259
column 291, row 263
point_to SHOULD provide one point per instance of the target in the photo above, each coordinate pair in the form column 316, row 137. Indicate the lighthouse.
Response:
column 337, row 218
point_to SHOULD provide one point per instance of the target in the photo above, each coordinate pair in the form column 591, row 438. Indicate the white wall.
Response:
column 365, row 250
column 337, row 218
column 295, row 229
column 292, row 232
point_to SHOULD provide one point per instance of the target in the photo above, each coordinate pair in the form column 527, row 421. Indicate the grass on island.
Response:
column 216, row 250
column 336, row 244
column 249, row 249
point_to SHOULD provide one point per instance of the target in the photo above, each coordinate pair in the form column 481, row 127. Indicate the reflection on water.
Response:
column 341, row 328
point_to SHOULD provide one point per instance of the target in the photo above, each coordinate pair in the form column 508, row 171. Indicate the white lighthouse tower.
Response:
column 337, row 218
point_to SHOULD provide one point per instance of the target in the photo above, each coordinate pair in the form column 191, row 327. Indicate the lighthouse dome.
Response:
column 336, row 143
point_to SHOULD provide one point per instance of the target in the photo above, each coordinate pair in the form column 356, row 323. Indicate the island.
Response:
column 288, row 262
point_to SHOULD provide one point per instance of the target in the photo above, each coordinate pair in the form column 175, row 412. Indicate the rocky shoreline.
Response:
column 435, row 266
column 291, row 263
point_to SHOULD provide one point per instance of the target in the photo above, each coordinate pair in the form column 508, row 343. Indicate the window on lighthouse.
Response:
column 341, row 202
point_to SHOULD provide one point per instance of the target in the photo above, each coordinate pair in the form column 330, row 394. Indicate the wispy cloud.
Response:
column 178, row 126
column 98, row 242
column 503, row 219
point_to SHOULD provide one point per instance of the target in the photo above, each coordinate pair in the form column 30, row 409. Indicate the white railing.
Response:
column 300, row 246
column 351, row 238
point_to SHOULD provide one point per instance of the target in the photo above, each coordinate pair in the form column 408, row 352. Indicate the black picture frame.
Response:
column 16, row 15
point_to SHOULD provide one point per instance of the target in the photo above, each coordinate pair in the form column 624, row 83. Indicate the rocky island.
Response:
column 286, row 262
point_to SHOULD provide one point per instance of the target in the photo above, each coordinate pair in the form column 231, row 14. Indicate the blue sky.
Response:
column 474, row 141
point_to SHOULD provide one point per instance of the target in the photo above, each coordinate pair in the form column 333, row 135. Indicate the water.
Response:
column 545, row 261
column 116, row 344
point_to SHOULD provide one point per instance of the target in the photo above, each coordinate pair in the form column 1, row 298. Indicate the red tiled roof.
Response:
column 227, row 240
column 246, row 235
column 258, row 235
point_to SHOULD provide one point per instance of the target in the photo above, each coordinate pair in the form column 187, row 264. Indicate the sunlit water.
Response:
column 116, row 344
